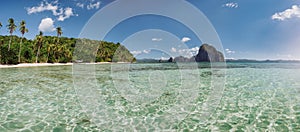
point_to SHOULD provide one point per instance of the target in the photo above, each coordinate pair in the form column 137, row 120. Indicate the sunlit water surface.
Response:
column 256, row 97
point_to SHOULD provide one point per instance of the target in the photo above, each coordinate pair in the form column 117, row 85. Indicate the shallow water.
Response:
column 153, row 97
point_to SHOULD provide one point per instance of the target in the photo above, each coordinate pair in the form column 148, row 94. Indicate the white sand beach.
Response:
column 34, row 65
column 52, row 64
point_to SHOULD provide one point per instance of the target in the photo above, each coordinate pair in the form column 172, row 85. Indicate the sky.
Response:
column 247, row 29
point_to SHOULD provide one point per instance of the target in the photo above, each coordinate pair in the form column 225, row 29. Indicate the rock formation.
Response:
column 208, row 53
column 184, row 59
column 171, row 59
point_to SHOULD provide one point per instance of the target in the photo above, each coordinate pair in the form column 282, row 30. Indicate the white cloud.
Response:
column 137, row 52
column 194, row 50
column 81, row 5
column 46, row 25
column 186, row 52
column 93, row 6
column 146, row 51
column 67, row 14
column 62, row 13
column 43, row 7
column 228, row 51
column 230, row 58
column 157, row 39
column 288, row 13
column 231, row 5
column 185, row 39
column 285, row 56
column 164, row 58
column 173, row 49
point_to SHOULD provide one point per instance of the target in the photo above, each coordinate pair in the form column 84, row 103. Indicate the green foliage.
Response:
column 121, row 54
column 101, row 51
column 23, row 30
column 54, row 51
column 11, row 25
column 9, row 57
column 11, row 28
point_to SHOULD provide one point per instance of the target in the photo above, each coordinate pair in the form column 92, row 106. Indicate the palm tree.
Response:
column 23, row 30
column 57, row 51
column 39, row 44
column 11, row 27
column 64, row 54
column 59, row 33
column 49, row 47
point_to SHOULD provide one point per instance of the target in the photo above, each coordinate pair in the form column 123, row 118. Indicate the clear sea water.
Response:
column 151, row 97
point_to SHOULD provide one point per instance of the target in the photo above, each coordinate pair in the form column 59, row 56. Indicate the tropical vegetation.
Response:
column 11, row 28
column 23, row 30
column 56, row 49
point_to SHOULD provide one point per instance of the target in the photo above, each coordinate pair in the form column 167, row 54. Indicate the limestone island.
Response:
column 207, row 53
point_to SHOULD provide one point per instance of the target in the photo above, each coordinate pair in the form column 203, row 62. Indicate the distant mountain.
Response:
column 261, row 61
column 147, row 61
column 184, row 59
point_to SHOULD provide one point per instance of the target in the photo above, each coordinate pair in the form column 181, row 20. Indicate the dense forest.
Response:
column 55, row 49
column 46, row 49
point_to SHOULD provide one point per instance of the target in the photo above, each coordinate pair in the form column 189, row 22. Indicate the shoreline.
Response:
column 23, row 65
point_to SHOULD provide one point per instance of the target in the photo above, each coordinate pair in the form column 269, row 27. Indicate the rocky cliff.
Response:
column 208, row 53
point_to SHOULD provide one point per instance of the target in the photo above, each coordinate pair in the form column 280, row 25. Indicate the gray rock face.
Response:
column 208, row 53
column 182, row 59
column 171, row 59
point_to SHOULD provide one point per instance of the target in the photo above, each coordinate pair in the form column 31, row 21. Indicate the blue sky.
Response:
column 251, row 29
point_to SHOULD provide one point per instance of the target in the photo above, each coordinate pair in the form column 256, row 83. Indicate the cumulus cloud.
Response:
column 185, row 39
column 288, row 13
column 137, row 52
column 67, row 14
column 93, row 5
column 61, row 13
column 146, row 51
column 173, row 49
column 156, row 39
column 186, row 52
column 231, row 5
column 46, row 25
column 44, row 6
column 228, row 51
column 163, row 58
column 81, row 5
column 194, row 50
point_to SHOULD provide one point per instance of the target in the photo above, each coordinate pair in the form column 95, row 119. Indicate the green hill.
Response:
column 54, row 51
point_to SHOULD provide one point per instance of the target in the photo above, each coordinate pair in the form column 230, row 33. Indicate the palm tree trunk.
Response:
column 57, row 40
column 47, row 57
column 56, row 57
column 37, row 54
column 48, row 52
column 9, row 42
column 57, row 54
column 19, row 59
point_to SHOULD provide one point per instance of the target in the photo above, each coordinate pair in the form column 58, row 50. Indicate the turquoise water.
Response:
column 152, row 97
